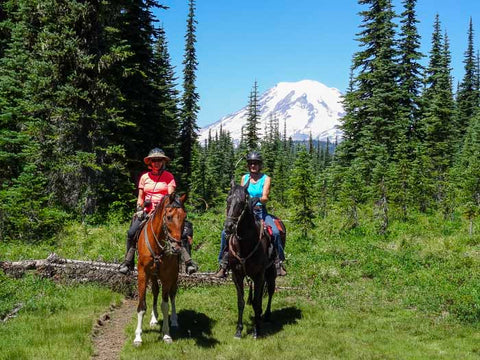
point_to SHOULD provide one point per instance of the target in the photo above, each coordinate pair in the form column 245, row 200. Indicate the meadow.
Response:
column 413, row 293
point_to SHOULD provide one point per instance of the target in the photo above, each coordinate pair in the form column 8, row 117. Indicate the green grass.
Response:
column 55, row 321
column 303, row 328
column 411, row 294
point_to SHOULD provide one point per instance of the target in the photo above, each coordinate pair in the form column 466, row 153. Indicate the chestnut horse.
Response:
column 158, row 259
column 248, row 249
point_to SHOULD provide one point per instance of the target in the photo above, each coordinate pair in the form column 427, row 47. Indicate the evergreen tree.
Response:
column 467, row 173
column 167, row 124
column 372, row 102
column 253, row 119
column 302, row 191
column 410, row 70
column 190, row 97
column 467, row 97
column 437, row 125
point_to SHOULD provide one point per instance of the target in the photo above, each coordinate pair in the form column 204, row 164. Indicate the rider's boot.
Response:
column 280, row 268
column 190, row 266
column 128, row 263
column 222, row 272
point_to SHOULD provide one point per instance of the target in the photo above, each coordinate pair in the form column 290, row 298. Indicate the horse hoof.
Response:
column 153, row 323
column 137, row 343
column 238, row 335
column 167, row 339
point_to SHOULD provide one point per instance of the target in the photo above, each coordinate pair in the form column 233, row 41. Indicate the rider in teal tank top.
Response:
column 255, row 189
column 259, row 187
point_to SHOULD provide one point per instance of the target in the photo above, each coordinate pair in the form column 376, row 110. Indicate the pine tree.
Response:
column 410, row 70
column 372, row 102
column 190, row 97
column 467, row 173
column 467, row 98
column 302, row 191
column 437, row 125
column 167, row 124
column 253, row 119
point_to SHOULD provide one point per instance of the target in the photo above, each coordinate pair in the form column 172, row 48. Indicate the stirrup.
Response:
column 221, row 274
column 191, row 268
column 280, row 268
column 125, row 267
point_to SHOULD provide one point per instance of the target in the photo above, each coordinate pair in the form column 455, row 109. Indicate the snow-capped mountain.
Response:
column 304, row 107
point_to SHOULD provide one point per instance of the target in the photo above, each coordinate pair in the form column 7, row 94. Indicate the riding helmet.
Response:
column 254, row 156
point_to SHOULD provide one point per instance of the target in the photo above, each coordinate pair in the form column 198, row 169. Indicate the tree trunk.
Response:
column 78, row 271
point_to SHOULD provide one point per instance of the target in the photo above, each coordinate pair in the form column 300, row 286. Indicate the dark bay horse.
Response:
column 158, row 260
column 248, row 256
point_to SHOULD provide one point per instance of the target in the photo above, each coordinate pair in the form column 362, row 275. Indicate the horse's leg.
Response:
column 155, row 290
column 173, row 315
column 258, row 285
column 142, row 304
column 238, row 280
column 270, row 276
column 165, row 327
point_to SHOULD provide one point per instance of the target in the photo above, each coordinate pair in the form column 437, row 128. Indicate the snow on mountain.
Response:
column 305, row 107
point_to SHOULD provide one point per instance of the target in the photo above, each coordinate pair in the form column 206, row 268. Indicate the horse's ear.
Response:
column 232, row 183
column 183, row 198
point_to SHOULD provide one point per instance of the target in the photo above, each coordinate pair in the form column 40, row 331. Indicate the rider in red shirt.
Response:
column 152, row 188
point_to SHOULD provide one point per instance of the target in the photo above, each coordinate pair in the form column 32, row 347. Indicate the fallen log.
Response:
column 79, row 271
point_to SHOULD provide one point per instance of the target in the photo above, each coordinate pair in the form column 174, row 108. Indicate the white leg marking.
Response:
column 154, row 318
column 138, row 331
column 167, row 339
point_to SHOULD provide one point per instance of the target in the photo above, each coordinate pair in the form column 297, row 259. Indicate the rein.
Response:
column 243, row 260
column 167, row 248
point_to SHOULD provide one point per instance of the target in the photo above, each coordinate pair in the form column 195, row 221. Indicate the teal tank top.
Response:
column 255, row 190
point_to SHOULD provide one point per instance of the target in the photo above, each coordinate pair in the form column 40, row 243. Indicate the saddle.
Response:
column 140, row 228
column 268, row 232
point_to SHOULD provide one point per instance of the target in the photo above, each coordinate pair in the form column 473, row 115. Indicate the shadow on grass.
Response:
column 279, row 319
column 197, row 326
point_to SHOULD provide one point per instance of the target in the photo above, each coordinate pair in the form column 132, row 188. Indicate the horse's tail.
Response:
column 250, row 294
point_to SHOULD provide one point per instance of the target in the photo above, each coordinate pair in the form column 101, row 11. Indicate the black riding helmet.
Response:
column 254, row 156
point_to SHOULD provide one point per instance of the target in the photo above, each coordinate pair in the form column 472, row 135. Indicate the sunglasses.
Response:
column 250, row 163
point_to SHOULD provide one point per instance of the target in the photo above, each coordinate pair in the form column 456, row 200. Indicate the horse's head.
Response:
column 174, row 215
column 237, row 200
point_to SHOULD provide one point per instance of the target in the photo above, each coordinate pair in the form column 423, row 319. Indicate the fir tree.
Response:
column 190, row 97
column 467, row 98
column 372, row 102
column 302, row 191
column 467, row 173
column 410, row 70
column 253, row 119
column 167, row 124
column 437, row 124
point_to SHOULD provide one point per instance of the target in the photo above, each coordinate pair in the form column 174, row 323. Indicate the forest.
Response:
column 87, row 89
column 382, row 252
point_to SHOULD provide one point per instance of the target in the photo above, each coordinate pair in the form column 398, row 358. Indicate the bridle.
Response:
column 169, row 240
column 235, row 219
column 231, row 236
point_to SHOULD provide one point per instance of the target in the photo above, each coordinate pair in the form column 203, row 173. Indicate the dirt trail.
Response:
column 109, row 332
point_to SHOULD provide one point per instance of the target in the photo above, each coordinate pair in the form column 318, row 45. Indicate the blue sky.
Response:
column 271, row 41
